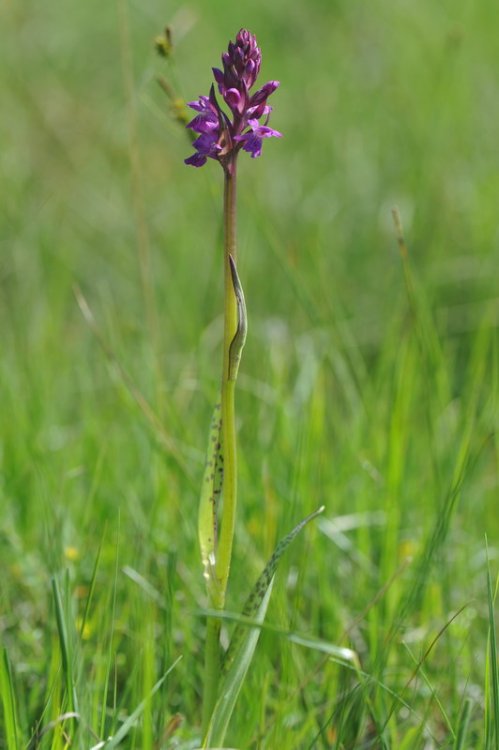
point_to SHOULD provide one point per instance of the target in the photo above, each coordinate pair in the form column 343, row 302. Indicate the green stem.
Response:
column 224, row 550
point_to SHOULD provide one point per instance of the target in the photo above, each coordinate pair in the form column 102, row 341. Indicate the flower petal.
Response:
column 196, row 160
column 202, row 124
column 234, row 99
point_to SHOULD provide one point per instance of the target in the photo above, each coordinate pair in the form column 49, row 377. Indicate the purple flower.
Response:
column 207, row 120
column 223, row 136
column 251, row 140
column 206, row 146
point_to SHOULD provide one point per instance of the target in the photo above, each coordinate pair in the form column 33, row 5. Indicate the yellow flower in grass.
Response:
column 86, row 631
column 71, row 553
column 407, row 550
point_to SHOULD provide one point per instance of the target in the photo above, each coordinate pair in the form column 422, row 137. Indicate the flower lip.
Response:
column 251, row 141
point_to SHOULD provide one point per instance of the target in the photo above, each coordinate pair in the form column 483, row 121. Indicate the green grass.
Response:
column 368, row 383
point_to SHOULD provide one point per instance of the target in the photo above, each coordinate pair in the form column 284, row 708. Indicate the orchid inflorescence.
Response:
column 221, row 137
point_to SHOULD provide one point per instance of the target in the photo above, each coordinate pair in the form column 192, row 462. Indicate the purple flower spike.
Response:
column 222, row 136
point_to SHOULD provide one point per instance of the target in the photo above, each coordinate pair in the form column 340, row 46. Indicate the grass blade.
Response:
column 462, row 729
column 339, row 654
column 91, row 589
column 234, row 678
column 65, row 646
column 8, row 701
column 135, row 715
column 110, row 650
column 494, row 672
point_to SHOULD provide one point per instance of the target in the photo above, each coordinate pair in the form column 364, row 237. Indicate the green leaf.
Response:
column 233, row 679
column 8, row 701
column 253, row 602
column 237, row 343
column 210, row 495
column 244, row 641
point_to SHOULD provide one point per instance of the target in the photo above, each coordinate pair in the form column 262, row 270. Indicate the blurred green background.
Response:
column 352, row 393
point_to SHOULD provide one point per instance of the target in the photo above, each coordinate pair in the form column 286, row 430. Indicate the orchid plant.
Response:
column 222, row 133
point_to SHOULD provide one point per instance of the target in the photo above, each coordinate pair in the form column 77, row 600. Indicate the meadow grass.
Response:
column 369, row 381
